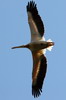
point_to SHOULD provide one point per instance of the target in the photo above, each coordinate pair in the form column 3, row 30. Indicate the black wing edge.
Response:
column 37, row 87
column 31, row 7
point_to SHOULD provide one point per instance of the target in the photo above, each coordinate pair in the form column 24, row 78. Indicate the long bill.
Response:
column 22, row 46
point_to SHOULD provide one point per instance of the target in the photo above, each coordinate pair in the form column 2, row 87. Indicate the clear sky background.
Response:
column 16, row 65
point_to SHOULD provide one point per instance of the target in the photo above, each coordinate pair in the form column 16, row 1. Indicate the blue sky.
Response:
column 16, row 65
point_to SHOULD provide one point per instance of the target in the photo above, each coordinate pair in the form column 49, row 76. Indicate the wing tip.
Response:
column 31, row 5
column 36, row 92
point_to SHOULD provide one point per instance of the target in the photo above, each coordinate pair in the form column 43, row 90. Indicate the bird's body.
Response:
column 37, row 46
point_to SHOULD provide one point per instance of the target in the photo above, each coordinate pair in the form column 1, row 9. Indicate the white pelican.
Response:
column 37, row 46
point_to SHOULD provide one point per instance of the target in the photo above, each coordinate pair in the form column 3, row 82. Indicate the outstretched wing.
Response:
column 39, row 72
column 35, row 22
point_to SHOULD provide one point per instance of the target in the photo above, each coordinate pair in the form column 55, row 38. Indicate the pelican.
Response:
column 38, row 47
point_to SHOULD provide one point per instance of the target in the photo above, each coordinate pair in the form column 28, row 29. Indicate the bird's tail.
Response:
column 49, row 48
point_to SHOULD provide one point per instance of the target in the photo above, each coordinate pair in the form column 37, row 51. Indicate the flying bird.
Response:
column 38, row 47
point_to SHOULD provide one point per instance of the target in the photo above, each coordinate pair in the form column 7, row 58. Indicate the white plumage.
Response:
column 38, row 47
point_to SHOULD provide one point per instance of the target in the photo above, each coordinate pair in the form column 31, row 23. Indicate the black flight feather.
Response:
column 37, row 87
column 31, row 7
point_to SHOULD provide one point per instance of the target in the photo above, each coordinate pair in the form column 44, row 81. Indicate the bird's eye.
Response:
column 41, row 43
